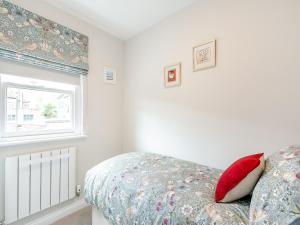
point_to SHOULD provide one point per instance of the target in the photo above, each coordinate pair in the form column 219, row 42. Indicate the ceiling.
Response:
column 121, row 18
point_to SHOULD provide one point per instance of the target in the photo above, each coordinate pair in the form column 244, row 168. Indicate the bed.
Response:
column 144, row 189
column 150, row 189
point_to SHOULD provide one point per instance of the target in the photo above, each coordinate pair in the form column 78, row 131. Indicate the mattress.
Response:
column 150, row 189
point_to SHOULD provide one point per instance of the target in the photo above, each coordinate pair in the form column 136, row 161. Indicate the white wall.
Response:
column 105, row 102
column 249, row 103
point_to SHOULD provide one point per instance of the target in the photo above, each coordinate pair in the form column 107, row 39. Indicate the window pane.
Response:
column 37, row 110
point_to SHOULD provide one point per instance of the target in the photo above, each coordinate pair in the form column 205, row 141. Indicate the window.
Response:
column 31, row 107
column 11, row 117
column 28, row 117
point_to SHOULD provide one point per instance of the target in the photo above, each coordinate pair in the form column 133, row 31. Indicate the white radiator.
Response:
column 38, row 181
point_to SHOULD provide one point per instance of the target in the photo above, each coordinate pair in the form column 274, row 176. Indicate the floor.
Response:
column 82, row 217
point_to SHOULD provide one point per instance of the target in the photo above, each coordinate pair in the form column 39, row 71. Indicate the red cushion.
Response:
column 235, row 174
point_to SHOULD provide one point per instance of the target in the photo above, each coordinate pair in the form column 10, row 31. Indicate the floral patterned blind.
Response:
column 29, row 38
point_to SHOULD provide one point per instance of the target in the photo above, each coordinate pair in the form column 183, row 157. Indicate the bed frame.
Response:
column 98, row 218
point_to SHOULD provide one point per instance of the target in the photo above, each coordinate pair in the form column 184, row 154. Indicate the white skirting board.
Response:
column 98, row 218
column 52, row 217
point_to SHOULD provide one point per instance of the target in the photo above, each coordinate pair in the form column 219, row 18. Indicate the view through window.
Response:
column 37, row 109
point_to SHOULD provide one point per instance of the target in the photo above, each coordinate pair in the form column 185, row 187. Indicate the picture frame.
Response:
column 172, row 75
column 109, row 75
column 204, row 55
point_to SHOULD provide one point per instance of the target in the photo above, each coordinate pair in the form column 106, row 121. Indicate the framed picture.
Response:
column 110, row 75
column 173, row 75
column 204, row 55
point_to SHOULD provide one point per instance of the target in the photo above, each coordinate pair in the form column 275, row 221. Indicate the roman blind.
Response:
column 29, row 38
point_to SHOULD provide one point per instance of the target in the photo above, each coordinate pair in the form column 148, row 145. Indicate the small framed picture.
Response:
column 173, row 75
column 204, row 55
column 110, row 75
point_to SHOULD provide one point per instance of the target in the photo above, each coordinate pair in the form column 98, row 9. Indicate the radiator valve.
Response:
column 78, row 190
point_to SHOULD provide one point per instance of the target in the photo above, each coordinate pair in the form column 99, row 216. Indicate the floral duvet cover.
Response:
column 150, row 189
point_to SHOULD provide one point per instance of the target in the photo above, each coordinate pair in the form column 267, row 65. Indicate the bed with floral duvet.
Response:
column 150, row 189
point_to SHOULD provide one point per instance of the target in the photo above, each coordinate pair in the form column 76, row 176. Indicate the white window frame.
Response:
column 77, row 105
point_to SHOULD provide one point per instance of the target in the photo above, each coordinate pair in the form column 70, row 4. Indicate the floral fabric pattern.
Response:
column 276, row 197
column 150, row 189
column 29, row 38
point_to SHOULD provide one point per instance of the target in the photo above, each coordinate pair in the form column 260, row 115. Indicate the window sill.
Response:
column 8, row 142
